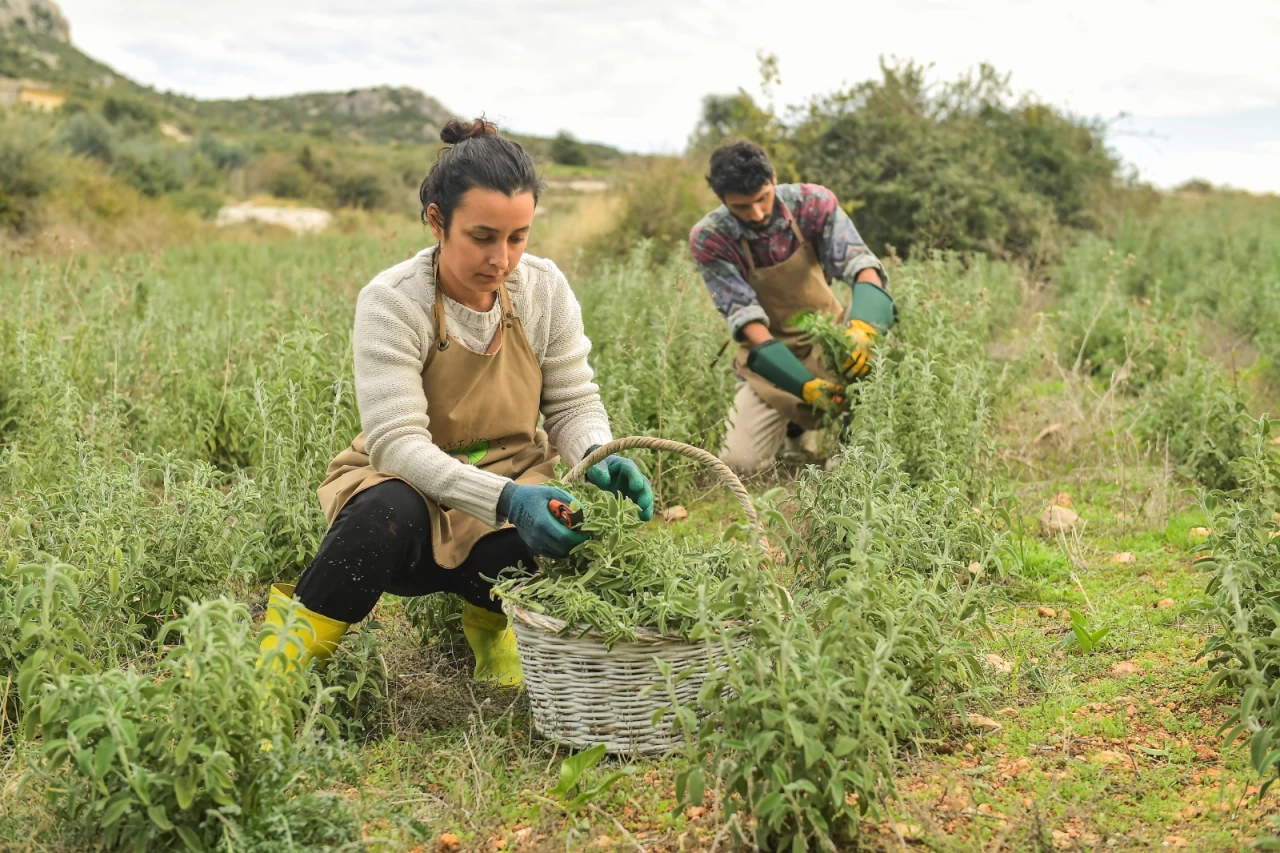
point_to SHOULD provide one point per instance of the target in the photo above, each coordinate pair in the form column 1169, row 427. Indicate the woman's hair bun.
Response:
column 455, row 131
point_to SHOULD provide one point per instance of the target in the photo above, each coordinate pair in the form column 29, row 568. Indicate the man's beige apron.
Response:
column 484, row 411
column 797, row 285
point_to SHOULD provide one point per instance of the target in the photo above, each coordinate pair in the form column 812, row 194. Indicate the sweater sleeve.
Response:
column 573, row 414
column 392, row 334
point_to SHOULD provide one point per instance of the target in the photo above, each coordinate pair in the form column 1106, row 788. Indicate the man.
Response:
column 768, row 253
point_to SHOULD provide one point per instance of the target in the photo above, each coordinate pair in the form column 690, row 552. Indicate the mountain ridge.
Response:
column 35, row 44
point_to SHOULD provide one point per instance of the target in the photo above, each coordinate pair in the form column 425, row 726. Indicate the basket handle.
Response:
column 697, row 454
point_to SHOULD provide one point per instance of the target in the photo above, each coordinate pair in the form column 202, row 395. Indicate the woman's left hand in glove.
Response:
column 622, row 477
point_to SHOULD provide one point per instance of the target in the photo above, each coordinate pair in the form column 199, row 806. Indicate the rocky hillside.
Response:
column 381, row 114
column 37, row 16
column 35, row 44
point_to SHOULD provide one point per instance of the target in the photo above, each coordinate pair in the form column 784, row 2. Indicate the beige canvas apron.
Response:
column 797, row 285
column 484, row 411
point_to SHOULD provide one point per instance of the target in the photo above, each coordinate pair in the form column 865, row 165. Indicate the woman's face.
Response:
column 484, row 242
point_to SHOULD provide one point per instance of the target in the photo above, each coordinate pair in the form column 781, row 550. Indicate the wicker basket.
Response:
column 583, row 693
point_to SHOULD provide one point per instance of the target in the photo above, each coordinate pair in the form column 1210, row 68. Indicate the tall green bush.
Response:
column 27, row 169
column 216, row 745
column 87, row 134
column 922, row 165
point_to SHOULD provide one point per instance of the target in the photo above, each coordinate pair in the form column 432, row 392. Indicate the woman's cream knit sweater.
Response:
column 394, row 333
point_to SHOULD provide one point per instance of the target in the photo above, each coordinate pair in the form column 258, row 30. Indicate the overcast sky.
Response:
column 1199, row 81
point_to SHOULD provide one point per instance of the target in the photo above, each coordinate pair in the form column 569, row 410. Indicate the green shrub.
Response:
column 27, row 169
column 658, row 351
column 134, row 113
column 933, row 523
column 662, row 199
column 922, row 166
column 359, row 682
column 1212, row 256
column 216, row 742
column 87, row 134
column 289, row 180
column 37, row 641
column 568, row 151
column 360, row 188
column 437, row 619
column 1107, row 324
column 804, row 724
column 149, row 535
column 151, row 168
column 928, row 396
column 225, row 155
column 205, row 202
column 1198, row 417
column 1243, row 563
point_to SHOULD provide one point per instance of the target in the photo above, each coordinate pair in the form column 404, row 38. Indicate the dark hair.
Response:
column 739, row 167
column 479, row 157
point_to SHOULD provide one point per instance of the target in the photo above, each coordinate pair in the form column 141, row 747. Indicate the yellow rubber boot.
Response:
column 494, row 643
column 312, row 635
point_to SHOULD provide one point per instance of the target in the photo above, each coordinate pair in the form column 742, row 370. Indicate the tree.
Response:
column 568, row 151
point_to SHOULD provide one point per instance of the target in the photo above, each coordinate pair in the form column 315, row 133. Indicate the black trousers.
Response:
column 381, row 542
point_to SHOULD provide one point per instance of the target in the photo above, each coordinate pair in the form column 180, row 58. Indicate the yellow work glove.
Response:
column 862, row 343
column 820, row 393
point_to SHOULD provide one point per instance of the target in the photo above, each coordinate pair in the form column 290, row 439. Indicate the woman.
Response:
column 457, row 351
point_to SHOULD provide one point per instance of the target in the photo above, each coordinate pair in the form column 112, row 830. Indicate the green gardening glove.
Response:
column 871, row 313
column 621, row 476
column 528, row 508
column 774, row 362
column 872, row 306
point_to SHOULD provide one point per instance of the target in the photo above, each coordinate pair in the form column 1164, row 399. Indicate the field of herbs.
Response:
column 1032, row 606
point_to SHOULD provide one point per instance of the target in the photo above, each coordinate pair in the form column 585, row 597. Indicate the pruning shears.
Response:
column 569, row 514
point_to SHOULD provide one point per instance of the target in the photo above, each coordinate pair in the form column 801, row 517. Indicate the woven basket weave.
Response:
column 583, row 693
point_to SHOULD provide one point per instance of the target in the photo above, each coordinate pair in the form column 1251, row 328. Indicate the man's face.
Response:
column 755, row 209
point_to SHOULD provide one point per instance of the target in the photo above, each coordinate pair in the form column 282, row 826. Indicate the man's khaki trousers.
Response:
column 756, row 433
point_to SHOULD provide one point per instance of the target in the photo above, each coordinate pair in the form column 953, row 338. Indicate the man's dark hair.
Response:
column 739, row 167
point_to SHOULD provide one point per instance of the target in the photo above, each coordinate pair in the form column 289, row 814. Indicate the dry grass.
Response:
column 572, row 221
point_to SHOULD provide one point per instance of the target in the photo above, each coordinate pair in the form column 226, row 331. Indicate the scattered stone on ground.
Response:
column 999, row 664
column 1057, row 519
column 978, row 721
column 675, row 513
column 299, row 220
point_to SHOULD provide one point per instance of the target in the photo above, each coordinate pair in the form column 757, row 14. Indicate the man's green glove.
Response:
column 621, row 476
column 874, row 306
column 773, row 361
column 871, row 313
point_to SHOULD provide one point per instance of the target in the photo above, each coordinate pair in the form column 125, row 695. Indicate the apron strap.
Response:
column 746, row 253
column 437, row 319
column 508, row 313
column 437, row 308
column 795, row 229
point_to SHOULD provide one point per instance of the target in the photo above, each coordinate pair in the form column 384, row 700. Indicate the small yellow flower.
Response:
column 265, row 746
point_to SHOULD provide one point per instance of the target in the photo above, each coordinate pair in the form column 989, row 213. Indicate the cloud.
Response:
column 1238, row 148
column 1256, row 169
column 633, row 74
